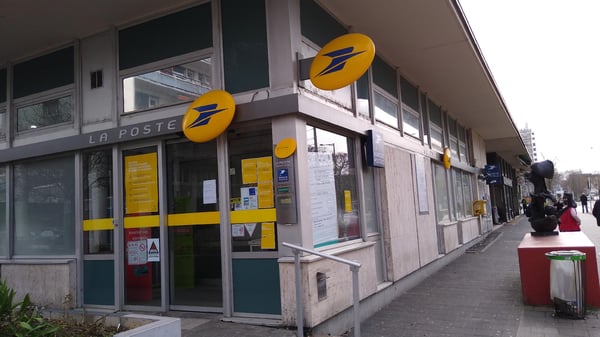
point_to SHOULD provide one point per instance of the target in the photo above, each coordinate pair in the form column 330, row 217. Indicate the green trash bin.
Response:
column 567, row 278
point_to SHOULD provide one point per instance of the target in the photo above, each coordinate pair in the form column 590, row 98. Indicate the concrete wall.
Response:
column 470, row 229
column 338, row 280
column 49, row 284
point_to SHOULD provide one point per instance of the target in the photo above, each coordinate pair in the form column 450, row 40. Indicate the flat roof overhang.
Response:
column 428, row 41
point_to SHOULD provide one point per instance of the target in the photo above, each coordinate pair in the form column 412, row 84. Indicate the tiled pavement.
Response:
column 478, row 294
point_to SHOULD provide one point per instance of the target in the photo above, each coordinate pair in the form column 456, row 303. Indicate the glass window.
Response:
column 245, row 52
column 167, row 86
column 425, row 119
column 442, row 197
column 468, row 193
column 384, row 76
column 436, row 137
column 409, row 94
column 386, row 110
column 410, row 122
column 44, row 216
column 3, row 229
column 435, row 117
column 317, row 24
column 97, row 202
column 459, row 195
column 47, row 72
column 168, row 36
column 363, row 97
column 334, row 199
column 3, row 125
column 3, row 85
column 462, row 144
column 51, row 112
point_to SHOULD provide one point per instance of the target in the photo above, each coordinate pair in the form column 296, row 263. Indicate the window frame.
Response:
column 157, row 66
column 42, row 97
column 394, row 100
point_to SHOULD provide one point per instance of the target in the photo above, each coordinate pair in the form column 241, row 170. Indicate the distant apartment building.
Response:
column 528, row 137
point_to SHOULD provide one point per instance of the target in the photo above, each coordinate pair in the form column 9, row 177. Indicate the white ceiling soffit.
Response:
column 433, row 47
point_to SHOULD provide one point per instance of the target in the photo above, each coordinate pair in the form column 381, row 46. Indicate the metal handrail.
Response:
column 354, row 266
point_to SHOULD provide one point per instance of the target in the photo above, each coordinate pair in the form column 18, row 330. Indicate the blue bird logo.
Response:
column 338, row 60
column 206, row 112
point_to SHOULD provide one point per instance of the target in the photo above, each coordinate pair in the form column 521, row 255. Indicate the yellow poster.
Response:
column 267, row 235
column 141, row 183
column 265, row 194
column 265, row 182
column 249, row 171
column 347, row 201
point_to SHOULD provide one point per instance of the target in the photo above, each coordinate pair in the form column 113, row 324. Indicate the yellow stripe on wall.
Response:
column 254, row 215
column 98, row 224
column 142, row 221
column 195, row 218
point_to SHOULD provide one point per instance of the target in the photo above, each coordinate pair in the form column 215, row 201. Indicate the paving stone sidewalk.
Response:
column 478, row 294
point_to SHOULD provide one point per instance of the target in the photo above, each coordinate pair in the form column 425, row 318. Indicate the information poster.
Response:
column 249, row 198
column 141, row 184
column 249, row 175
column 265, row 182
column 322, row 197
column 267, row 237
column 209, row 191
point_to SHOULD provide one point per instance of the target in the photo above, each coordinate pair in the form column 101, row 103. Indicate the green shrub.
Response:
column 20, row 318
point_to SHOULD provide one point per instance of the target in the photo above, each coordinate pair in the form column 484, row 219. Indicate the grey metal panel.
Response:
column 106, row 137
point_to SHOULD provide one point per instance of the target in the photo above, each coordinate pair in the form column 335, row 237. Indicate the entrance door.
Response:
column 141, row 228
column 194, row 226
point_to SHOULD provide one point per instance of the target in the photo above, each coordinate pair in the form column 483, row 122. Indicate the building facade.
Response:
column 106, row 202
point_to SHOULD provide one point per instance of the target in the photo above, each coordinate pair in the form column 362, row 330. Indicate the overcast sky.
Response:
column 545, row 58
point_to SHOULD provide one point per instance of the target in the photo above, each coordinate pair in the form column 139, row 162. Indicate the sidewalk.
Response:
column 478, row 294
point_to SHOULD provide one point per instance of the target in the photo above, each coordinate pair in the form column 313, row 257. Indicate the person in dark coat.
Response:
column 596, row 211
column 584, row 199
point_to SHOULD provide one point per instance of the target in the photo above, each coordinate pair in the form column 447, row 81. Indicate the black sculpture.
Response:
column 543, row 216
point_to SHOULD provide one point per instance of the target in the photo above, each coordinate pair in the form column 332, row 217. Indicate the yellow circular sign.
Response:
column 208, row 116
column 342, row 61
column 285, row 148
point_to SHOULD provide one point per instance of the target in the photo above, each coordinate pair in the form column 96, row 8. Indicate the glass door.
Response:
column 194, row 226
column 141, row 228
column 98, row 229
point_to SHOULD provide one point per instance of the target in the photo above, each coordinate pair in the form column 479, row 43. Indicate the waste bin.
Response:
column 567, row 288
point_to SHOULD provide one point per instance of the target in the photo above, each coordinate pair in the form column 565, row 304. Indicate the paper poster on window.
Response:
column 141, row 183
column 136, row 253
column 237, row 231
column 209, row 191
column 249, row 198
column 249, row 175
column 250, row 227
column 153, row 250
column 322, row 197
column 267, row 235
column 265, row 194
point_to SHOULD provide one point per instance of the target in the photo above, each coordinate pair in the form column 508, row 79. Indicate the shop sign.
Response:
column 342, row 61
column 130, row 132
column 208, row 116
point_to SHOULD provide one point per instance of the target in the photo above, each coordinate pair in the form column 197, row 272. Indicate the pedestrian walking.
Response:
column 584, row 200
column 569, row 221
column 596, row 211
